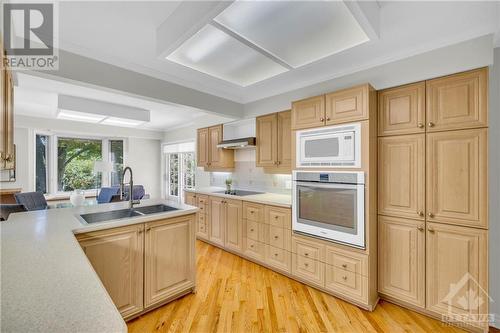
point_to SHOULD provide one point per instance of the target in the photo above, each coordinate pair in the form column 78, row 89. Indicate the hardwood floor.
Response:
column 236, row 295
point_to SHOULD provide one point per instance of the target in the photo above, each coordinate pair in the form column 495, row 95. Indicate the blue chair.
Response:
column 106, row 194
column 138, row 192
column 31, row 200
column 6, row 210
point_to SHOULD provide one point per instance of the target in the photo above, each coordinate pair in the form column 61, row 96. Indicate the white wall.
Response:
column 144, row 157
column 494, row 188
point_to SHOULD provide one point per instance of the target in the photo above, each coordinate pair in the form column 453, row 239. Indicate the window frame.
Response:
column 180, row 173
column 53, row 137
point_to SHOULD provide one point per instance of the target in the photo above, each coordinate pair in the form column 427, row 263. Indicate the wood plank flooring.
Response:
column 236, row 295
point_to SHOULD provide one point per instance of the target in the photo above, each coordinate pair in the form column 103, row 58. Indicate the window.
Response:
column 65, row 163
column 180, row 168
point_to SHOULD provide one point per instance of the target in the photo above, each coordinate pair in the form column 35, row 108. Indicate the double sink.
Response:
column 125, row 213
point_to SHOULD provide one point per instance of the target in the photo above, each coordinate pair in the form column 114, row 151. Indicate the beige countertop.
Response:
column 282, row 200
column 47, row 283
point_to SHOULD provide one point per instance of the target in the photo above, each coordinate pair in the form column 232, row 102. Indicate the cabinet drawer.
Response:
column 253, row 212
column 308, row 249
column 254, row 249
column 348, row 284
column 278, row 258
column 279, row 217
column 279, row 237
column 253, row 230
column 350, row 261
column 310, row 270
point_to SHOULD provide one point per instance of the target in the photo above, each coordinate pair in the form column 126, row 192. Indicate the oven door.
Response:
column 332, row 211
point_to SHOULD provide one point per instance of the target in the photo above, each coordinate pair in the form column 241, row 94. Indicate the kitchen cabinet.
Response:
column 190, row 199
column 7, row 148
column 457, row 177
column 208, row 155
column 170, row 263
column 457, row 101
column 234, row 225
column 310, row 270
column 402, row 259
column 346, row 284
column 401, row 176
column 347, row 105
column 217, row 220
column 278, row 258
column 273, row 133
column 457, row 264
column 402, row 110
column 117, row 257
column 308, row 113
column 200, row 201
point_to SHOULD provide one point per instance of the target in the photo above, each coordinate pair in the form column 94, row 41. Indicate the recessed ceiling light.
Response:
column 79, row 116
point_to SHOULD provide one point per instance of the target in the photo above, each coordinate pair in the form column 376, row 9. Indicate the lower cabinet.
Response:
column 402, row 259
column 169, row 258
column 346, row 283
column 117, row 257
column 234, row 225
column 217, row 220
column 146, row 264
column 278, row 258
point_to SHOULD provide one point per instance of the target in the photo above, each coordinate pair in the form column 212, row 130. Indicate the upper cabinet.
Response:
column 208, row 155
column 402, row 110
column 339, row 107
column 458, row 101
column 273, row 132
column 7, row 153
column 347, row 105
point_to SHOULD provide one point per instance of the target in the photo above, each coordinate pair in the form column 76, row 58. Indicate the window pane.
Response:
column 189, row 170
column 173, row 174
column 75, row 163
column 116, row 157
column 41, row 149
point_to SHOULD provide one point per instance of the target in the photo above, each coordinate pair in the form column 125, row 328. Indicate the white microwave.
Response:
column 332, row 146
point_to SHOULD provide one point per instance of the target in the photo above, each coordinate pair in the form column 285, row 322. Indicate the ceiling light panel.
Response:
column 216, row 53
column 297, row 32
column 79, row 116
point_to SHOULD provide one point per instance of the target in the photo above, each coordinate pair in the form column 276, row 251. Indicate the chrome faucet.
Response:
column 131, row 187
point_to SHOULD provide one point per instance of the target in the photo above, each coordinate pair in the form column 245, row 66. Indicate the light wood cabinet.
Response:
column 278, row 217
column 457, row 177
column 457, row 264
column 347, row 105
column 169, row 258
column 402, row 110
column 401, row 176
column 308, row 269
column 278, row 258
column 274, row 141
column 190, row 199
column 254, row 249
column 457, row 101
column 217, row 219
column 208, row 155
column 402, row 259
column 7, row 148
column 202, row 144
column 346, row 283
column 309, row 112
column 234, row 225
column 117, row 257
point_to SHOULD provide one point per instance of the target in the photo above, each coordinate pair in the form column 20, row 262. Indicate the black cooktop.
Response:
column 240, row 193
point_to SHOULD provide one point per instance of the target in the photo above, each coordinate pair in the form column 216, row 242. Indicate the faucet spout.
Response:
column 131, row 200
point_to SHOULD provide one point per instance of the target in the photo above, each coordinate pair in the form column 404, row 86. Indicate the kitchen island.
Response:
column 47, row 282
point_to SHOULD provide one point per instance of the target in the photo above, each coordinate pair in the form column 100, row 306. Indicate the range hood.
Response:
column 238, row 134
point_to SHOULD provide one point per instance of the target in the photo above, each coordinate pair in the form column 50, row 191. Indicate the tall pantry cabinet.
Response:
column 433, row 194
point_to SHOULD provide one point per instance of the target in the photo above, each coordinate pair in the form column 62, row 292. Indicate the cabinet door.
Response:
column 401, row 190
column 234, row 225
column 310, row 270
column 9, row 122
column 456, row 269
column 402, row 110
column 170, row 258
column 202, row 152
column 308, row 112
column 402, row 259
column 117, row 257
column 285, row 139
column 190, row 198
column 267, row 140
column 217, row 220
column 347, row 105
column 457, row 177
column 218, row 157
column 458, row 101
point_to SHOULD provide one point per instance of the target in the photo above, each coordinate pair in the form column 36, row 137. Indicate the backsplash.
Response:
column 249, row 177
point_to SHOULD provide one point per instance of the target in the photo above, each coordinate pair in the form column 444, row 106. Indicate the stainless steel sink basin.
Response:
column 125, row 213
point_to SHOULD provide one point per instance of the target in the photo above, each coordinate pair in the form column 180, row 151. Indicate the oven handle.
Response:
column 329, row 185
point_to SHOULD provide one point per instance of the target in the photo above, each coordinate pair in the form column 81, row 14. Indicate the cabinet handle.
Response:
column 148, row 228
column 251, row 212
column 275, row 254
column 278, row 163
column 321, row 119
column 327, row 118
column 275, row 237
column 420, row 125
column 420, row 228
column 306, row 254
column 344, row 278
column 276, row 217
column 306, row 264
column 430, row 124
column 140, row 231
column 431, row 229
column 430, row 215
column 251, row 230
column 251, row 245
column 8, row 158
column 420, row 213
column 344, row 265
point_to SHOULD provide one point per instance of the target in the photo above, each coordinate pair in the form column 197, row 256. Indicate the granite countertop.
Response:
column 47, row 283
column 282, row 200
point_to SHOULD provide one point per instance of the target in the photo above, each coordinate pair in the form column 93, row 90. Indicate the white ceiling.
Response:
column 124, row 34
column 37, row 97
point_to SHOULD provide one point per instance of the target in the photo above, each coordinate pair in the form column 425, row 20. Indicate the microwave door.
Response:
column 328, row 147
